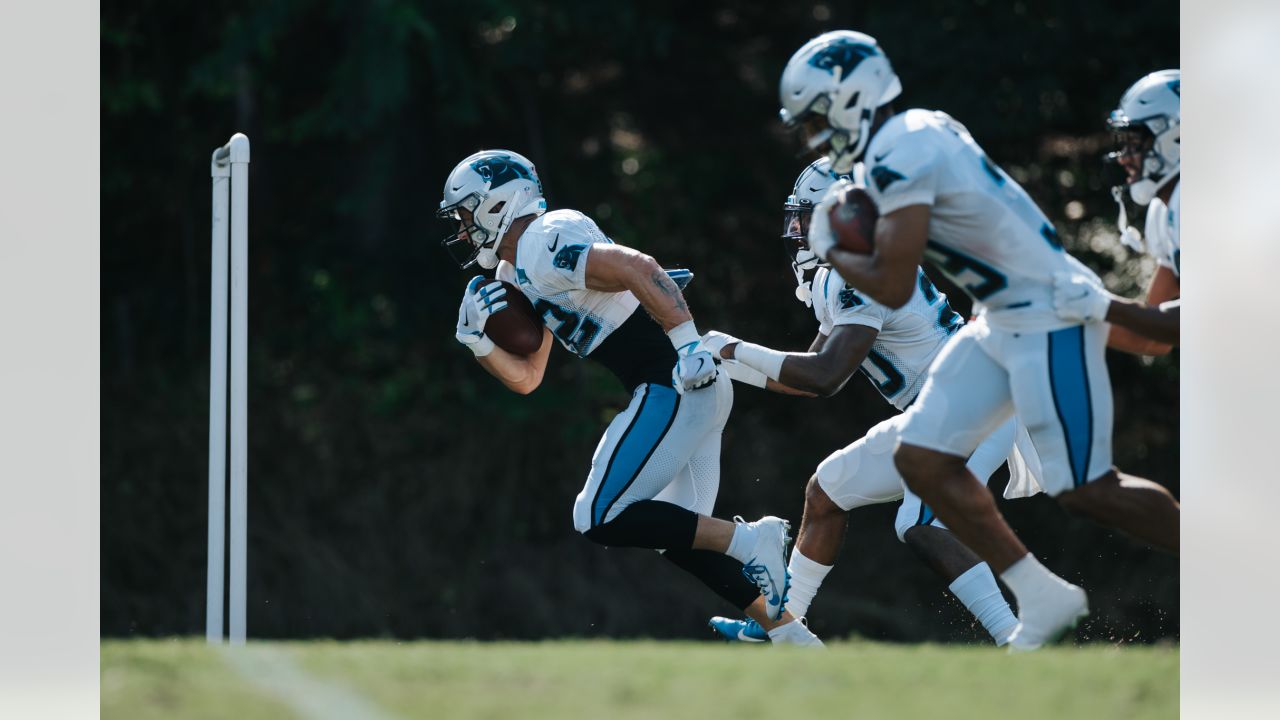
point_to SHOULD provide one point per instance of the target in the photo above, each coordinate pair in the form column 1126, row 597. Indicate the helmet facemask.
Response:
column 795, row 233
column 820, row 135
column 1140, row 140
column 464, row 246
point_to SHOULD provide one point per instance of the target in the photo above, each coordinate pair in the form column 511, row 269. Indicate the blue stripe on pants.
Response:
column 1069, row 379
column 656, row 413
column 926, row 514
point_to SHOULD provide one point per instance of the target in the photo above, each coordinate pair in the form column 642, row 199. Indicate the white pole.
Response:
column 217, row 401
column 230, row 170
column 239, row 157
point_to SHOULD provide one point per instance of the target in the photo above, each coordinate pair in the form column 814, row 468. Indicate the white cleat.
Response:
column 767, row 567
column 1050, row 617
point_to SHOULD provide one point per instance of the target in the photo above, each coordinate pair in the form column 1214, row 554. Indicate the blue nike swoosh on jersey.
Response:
column 878, row 158
column 554, row 243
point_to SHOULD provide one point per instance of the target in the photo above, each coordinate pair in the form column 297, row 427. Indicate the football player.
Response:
column 1147, row 125
column 656, row 472
column 893, row 349
column 942, row 199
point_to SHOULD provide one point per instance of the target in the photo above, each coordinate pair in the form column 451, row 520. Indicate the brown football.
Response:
column 515, row 328
column 853, row 220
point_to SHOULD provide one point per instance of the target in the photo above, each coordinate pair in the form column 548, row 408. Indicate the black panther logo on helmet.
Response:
column 499, row 170
column 847, row 55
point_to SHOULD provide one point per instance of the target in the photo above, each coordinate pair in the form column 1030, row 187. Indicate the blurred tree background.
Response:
column 396, row 489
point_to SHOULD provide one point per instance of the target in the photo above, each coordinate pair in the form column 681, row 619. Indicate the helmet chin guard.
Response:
column 1144, row 191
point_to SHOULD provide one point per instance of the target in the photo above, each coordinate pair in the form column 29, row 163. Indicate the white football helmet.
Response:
column 810, row 188
column 831, row 88
column 1148, row 123
column 496, row 187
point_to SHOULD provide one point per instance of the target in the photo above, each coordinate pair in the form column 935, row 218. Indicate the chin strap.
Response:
column 1129, row 235
column 488, row 255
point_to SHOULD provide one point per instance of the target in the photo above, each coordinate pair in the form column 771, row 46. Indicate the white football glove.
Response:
column 695, row 367
column 1080, row 298
column 694, row 371
column 821, row 237
column 479, row 301
column 714, row 341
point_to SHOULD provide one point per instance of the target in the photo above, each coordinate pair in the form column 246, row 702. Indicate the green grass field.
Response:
column 620, row 680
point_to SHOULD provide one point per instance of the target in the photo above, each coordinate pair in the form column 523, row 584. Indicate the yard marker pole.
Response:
column 217, row 398
column 230, row 170
column 239, row 146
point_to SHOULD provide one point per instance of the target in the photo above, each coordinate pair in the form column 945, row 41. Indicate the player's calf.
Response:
column 1133, row 505
column 823, row 525
column 962, row 503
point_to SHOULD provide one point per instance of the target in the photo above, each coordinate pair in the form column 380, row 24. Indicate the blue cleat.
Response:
column 748, row 631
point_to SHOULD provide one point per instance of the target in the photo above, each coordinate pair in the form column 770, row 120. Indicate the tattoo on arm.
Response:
column 668, row 287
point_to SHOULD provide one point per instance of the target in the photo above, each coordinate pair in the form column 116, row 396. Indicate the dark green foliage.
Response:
column 396, row 489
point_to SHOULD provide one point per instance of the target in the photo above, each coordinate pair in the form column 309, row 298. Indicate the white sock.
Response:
column 743, row 542
column 806, row 577
column 784, row 631
column 977, row 589
column 1029, row 580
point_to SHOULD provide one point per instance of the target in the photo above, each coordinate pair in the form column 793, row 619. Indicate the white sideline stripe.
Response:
column 275, row 672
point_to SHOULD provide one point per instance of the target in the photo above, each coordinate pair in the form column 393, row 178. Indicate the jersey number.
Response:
column 577, row 333
column 977, row 278
column 892, row 381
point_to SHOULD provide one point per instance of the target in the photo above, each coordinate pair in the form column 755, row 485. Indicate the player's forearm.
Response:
column 1141, row 329
column 520, row 374
column 658, row 293
column 872, row 275
column 812, row 373
column 517, row 373
column 808, row 373
column 775, row 386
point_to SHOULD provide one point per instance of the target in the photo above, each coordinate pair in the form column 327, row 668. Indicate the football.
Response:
column 853, row 220
column 515, row 328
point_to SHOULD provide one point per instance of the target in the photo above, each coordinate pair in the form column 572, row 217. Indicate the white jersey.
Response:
column 985, row 233
column 909, row 338
column 551, row 269
column 1161, row 230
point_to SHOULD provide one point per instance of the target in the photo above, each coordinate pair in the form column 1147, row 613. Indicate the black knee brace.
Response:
column 649, row 524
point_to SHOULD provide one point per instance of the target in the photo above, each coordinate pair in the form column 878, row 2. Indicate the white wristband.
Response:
column 1170, row 305
column 482, row 347
column 764, row 359
column 744, row 374
column 684, row 337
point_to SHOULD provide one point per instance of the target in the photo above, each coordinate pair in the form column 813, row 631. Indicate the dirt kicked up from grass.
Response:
column 620, row 680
